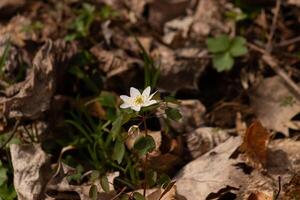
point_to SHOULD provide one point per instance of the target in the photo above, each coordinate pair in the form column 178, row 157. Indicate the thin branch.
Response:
column 288, row 42
column 273, row 27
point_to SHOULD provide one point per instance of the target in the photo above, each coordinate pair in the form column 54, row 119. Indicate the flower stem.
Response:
column 146, row 158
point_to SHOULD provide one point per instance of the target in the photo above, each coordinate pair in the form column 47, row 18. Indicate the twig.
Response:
column 288, row 42
column 119, row 194
column 271, row 61
column 12, row 135
column 273, row 27
column 279, row 188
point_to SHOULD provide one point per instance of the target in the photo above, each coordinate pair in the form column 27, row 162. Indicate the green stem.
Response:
column 146, row 158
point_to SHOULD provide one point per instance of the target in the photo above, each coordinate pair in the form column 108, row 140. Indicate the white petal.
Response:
column 134, row 92
column 150, row 97
column 125, row 105
column 148, row 103
column 125, row 98
column 146, row 92
column 136, row 108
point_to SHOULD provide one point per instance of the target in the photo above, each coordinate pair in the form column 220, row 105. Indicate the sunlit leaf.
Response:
column 218, row 44
column 93, row 193
column 104, row 183
column 223, row 62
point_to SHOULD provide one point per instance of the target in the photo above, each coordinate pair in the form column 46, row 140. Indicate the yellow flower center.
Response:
column 139, row 100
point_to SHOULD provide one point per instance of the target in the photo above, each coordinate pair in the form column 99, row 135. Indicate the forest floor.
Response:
column 224, row 118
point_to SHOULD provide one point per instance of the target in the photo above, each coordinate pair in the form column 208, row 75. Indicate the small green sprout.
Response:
column 225, row 49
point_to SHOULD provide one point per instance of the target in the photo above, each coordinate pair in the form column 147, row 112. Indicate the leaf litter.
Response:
column 54, row 47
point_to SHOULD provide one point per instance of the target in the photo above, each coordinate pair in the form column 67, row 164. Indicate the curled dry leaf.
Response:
column 112, row 63
column 204, row 139
column 255, row 144
column 30, row 98
column 211, row 172
column 275, row 105
column 32, row 170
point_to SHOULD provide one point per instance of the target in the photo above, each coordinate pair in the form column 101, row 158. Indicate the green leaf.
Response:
column 171, row 99
column 7, row 192
column 218, row 44
column 151, row 177
column 104, row 183
column 238, row 46
column 125, row 197
column 93, row 193
column 116, row 127
column 163, row 180
column 119, row 151
column 173, row 114
column 144, row 145
column 95, row 175
column 3, row 174
column 138, row 196
column 223, row 62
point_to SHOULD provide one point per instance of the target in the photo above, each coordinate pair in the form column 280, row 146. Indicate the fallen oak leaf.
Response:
column 255, row 144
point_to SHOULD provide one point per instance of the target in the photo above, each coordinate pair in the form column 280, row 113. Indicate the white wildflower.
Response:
column 136, row 100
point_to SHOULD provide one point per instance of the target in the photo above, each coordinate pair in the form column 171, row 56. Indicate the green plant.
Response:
column 7, row 191
column 225, row 49
column 86, row 15
column 81, row 25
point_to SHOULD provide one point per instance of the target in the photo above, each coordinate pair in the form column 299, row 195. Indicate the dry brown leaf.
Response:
column 32, row 170
column 31, row 97
column 112, row 63
column 275, row 105
column 164, row 194
column 9, row 6
column 175, row 70
column 15, row 30
column 292, row 189
column 259, row 196
column 177, row 30
column 294, row 2
column 163, row 11
column 283, row 161
column 204, row 139
column 255, row 144
column 211, row 172
column 192, row 111
column 208, row 18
